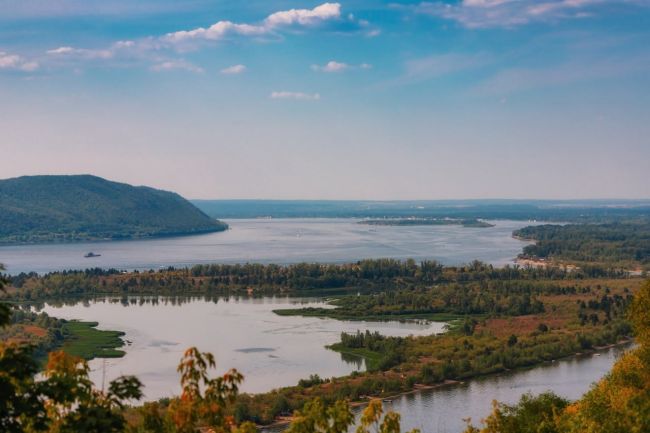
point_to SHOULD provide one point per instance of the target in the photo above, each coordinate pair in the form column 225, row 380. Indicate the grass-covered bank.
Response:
column 46, row 333
column 86, row 341
column 342, row 314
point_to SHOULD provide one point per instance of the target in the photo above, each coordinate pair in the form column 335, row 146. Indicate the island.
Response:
column 476, row 223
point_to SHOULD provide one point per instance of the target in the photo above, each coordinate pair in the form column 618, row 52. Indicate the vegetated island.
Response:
column 426, row 222
column 622, row 244
column 85, row 208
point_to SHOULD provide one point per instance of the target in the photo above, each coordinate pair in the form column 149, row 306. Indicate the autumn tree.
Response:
column 315, row 417
column 620, row 402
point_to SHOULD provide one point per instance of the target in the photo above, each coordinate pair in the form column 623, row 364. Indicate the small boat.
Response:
column 91, row 254
column 387, row 400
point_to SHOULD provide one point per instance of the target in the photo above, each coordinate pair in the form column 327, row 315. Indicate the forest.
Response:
column 303, row 278
column 83, row 207
column 616, row 244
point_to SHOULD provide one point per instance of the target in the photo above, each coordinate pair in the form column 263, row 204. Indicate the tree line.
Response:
column 365, row 275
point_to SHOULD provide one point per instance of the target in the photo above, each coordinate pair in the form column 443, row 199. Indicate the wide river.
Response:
column 281, row 241
column 273, row 351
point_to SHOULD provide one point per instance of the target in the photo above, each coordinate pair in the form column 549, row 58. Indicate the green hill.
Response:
column 84, row 207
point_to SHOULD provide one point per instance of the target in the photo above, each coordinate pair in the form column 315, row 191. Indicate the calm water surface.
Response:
column 442, row 410
column 281, row 241
column 270, row 350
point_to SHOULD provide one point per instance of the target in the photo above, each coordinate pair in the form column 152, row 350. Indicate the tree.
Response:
column 620, row 402
column 315, row 417
column 203, row 399
column 65, row 401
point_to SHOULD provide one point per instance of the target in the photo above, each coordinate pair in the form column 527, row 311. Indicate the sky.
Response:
column 296, row 99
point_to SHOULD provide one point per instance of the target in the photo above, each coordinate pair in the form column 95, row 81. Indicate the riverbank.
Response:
column 282, row 422
column 84, row 340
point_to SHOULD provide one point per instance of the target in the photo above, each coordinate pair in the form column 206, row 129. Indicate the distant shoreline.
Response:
column 116, row 239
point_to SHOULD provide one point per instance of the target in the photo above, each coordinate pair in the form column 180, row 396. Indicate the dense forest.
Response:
column 625, row 244
column 303, row 278
column 72, row 208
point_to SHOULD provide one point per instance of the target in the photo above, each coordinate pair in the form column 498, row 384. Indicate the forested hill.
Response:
column 84, row 207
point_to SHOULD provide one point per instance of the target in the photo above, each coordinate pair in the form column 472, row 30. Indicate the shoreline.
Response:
column 94, row 240
column 418, row 387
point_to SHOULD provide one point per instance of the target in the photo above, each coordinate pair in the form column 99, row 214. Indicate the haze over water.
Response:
column 281, row 241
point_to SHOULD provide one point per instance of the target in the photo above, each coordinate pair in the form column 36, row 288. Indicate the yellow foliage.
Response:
column 621, row 401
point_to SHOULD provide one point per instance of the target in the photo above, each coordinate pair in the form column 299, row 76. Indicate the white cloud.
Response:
column 124, row 44
column 16, row 63
column 170, row 65
column 305, row 17
column 334, row 66
column 223, row 29
column 295, row 95
column 331, row 66
column 512, row 13
column 82, row 53
column 148, row 50
column 234, row 70
column 216, row 31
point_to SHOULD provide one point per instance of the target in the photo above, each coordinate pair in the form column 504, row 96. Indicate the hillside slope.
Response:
column 84, row 207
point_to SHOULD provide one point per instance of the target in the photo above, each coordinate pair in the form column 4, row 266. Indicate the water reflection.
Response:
column 270, row 350
column 357, row 361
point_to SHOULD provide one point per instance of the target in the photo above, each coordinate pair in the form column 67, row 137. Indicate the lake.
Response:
column 281, row 241
column 270, row 350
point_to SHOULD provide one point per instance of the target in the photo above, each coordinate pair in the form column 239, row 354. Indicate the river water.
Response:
column 281, row 241
column 443, row 410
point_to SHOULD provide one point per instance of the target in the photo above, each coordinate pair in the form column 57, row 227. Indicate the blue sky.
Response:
column 351, row 100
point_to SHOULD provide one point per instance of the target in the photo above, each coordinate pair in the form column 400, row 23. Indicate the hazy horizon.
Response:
column 364, row 100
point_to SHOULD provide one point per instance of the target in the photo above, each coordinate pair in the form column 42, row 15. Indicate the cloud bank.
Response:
column 293, row 17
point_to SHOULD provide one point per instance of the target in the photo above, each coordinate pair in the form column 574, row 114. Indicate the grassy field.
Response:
column 88, row 342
